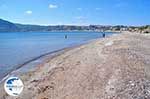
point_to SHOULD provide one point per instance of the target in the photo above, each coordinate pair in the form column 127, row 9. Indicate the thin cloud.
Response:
column 28, row 12
column 53, row 6
column 79, row 9
column 59, row 23
column 82, row 20
column 80, row 17
column 98, row 8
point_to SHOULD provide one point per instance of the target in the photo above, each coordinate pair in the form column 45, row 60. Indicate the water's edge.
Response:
column 49, row 54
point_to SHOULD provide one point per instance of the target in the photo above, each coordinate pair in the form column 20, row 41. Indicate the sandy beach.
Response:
column 117, row 67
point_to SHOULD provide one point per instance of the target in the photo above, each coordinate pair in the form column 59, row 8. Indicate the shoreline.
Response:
column 42, row 57
column 114, row 67
column 49, row 54
column 30, row 61
column 64, row 31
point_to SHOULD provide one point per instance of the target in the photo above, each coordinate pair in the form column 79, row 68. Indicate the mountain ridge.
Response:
column 6, row 26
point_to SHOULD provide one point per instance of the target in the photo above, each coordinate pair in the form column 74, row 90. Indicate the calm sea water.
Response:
column 17, row 48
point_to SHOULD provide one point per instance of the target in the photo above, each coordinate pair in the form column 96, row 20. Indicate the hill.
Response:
column 6, row 26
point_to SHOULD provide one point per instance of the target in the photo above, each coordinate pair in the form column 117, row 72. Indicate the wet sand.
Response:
column 116, row 67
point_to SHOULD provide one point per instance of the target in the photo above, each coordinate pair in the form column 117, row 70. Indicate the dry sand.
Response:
column 117, row 67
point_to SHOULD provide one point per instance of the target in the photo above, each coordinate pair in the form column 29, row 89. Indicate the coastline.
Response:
column 114, row 67
column 20, row 66
column 42, row 58
column 45, row 58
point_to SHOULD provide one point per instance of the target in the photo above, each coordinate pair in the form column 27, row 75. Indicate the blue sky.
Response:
column 76, row 12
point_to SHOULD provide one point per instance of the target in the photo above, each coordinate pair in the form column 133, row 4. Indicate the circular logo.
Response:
column 13, row 86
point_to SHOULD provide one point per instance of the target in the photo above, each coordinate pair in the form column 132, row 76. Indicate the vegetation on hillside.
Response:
column 6, row 26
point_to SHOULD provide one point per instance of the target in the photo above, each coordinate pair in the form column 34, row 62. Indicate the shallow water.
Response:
column 17, row 48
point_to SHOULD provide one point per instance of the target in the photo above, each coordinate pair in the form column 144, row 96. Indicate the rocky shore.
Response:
column 116, row 67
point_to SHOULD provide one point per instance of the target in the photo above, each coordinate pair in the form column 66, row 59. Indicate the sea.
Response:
column 20, row 47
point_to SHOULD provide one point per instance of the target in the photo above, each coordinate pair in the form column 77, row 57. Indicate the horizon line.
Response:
column 74, row 24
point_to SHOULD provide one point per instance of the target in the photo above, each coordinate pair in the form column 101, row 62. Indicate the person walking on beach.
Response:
column 66, row 36
column 104, row 35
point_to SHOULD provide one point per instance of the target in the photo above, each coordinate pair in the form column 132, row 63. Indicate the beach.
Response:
column 20, row 48
column 115, row 67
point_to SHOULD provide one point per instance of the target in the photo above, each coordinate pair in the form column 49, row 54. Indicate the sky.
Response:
column 76, row 12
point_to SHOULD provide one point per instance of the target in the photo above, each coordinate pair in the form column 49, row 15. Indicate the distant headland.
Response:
column 6, row 26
